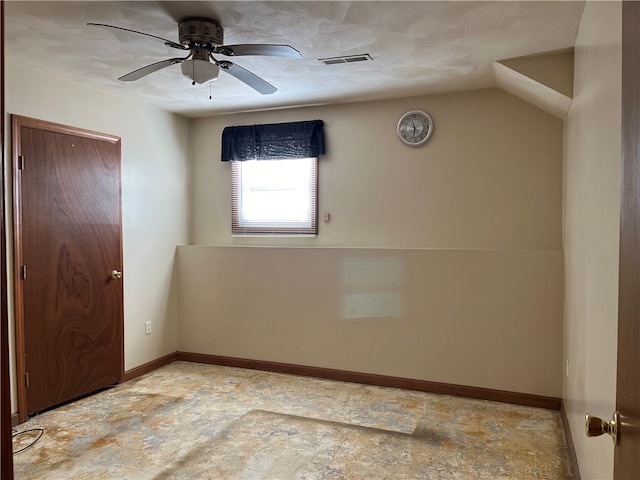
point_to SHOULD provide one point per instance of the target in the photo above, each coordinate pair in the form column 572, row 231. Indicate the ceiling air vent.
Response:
column 365, row 57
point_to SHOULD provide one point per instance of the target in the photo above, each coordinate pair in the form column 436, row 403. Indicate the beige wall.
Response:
column 490, row 319
column 490, row 177
column 472, row 221
column 555, row 70
column 591, row 230
column 155, row 178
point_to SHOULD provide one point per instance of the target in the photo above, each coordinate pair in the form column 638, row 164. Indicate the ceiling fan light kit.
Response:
column 200, row 71
column 203, row 38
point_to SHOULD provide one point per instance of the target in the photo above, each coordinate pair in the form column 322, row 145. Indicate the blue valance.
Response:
column 274, row 141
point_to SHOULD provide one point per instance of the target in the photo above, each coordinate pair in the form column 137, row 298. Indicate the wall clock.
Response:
column 415, row 128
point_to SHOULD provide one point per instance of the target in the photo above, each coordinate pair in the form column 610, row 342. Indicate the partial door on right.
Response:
column 627, row 452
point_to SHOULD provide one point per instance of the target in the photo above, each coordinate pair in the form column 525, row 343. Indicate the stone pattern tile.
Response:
column 194, row 421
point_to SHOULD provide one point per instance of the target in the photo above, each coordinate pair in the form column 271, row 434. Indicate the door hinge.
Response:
column 20, row 162
column 23, row 272
column 26, row 379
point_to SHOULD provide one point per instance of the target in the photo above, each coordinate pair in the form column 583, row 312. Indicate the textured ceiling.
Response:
column 418, row 47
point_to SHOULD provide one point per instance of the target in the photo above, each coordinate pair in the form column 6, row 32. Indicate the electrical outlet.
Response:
column 147, row 328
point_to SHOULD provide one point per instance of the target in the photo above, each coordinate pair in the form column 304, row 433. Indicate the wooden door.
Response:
column 69, row 309
column 627, row 453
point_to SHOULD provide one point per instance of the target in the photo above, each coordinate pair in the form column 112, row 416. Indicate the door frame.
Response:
column 6, row 448
column 17, row 122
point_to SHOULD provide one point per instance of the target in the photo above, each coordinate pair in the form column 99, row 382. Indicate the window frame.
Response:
column 276, row 230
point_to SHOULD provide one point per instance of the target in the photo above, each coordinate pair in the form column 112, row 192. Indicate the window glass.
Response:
column 274, row 196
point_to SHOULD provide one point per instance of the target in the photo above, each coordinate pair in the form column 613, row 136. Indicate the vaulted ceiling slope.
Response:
column 417, row 47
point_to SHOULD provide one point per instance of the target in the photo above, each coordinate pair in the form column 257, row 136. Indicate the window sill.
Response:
column 273, row 235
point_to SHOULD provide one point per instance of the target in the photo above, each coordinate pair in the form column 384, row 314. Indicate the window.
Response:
column 274, row 176
column 274, row 197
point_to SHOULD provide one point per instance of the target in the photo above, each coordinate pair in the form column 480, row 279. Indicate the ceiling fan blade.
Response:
column 247, row 77
column 258, row 49
column 168, row 43
column 154, row 67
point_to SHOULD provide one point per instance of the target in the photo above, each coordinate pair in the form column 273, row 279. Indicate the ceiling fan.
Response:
column 203, row 38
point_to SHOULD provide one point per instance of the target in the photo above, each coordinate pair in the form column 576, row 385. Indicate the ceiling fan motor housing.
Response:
column 199, row 31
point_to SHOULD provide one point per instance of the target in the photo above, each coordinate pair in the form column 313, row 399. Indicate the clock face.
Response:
column 415, row 128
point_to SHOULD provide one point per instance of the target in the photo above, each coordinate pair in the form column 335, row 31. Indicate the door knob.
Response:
column 594, row 427
column 116, row 274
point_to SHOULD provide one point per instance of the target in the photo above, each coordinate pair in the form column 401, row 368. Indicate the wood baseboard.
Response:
column 149, row 367
column 525, row 399
column 573, row 458
column 15, row 420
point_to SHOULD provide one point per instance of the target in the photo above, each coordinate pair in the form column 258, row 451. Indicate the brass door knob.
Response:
column 116, row 275
column 594, row 427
